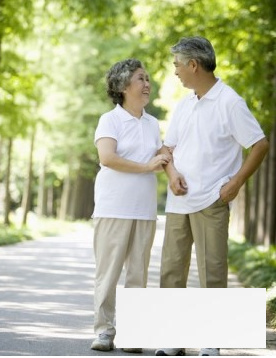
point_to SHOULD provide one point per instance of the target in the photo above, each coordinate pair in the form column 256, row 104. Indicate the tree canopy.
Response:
column 54, row 55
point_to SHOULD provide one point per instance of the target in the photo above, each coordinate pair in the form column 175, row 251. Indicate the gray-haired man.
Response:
column 208, row 130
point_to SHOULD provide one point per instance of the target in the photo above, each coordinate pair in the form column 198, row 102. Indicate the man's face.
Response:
column 183, row 72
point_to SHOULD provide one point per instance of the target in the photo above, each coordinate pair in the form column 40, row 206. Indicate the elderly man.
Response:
column 207, row 132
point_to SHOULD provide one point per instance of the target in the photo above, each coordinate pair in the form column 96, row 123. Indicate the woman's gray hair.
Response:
column 197, row 48
column 118, row 78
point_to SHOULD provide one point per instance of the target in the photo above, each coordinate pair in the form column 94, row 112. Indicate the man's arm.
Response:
column 230, row 190
column 177, row 181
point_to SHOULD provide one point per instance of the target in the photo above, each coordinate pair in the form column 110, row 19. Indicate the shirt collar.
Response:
column 126, row 116
column 213, row 92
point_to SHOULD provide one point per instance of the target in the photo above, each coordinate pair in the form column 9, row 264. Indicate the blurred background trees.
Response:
column 54, row 55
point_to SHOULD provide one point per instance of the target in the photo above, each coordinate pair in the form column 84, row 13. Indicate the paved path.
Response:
column 46, row 297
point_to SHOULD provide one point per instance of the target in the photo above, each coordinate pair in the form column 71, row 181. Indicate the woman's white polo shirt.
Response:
column 128, row 195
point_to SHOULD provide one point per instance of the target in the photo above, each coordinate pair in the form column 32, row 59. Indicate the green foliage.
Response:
column 38, row 227
column 256, row 266
column 249, row 55
column 161, row 191
column 110, row 17
column 18, row 93
column 271, row 311
column 242, row 32
column 15, row 23
column 54, row 55
column 11, row 235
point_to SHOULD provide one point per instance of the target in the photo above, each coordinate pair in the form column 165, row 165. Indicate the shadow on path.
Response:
column 46, row 296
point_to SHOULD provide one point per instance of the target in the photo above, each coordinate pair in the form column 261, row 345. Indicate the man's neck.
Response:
column 205, row 85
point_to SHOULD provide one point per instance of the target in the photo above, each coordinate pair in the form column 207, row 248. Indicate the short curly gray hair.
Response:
column 197, row 48
column 118, row 78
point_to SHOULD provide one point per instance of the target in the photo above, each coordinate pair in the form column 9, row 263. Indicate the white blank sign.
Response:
column 191, row 318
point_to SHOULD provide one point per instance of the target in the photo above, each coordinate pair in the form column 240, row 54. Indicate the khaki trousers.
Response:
column 118, row 242
column 208, row 229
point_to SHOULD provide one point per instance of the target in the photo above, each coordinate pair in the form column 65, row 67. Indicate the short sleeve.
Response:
column 171, row 137
column 159, row 141
column 244, row 126
column 106, row 128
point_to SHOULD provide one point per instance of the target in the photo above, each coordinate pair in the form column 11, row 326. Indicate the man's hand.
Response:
column 252, row 162
column 230, row 190
column 177, row 181
column 178, row 184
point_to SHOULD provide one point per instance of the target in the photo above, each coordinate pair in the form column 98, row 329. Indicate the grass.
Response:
column 12, row 235
column 271, row 307
column 36, row 228
column 256, row 267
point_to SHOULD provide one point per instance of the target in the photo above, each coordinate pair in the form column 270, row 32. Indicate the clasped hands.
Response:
column 157, row 162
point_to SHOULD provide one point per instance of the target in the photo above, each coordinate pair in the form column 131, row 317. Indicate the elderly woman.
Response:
column 128, row 141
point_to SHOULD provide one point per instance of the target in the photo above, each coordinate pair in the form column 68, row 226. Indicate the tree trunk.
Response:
column 7, row 184
column 50, row 201
column 42, row 192
column 65, row 197
column 82, row 202
column 246, row 209
column 254, row 208
column 27, row 191
column 66, row 194
column 270, row 237
column 1, row 29
column 262, row 199
column 1, row 151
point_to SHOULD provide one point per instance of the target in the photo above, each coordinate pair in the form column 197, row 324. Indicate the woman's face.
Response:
column 139, row 88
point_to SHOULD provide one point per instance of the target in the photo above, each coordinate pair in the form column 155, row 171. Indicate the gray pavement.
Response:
column 46, row 297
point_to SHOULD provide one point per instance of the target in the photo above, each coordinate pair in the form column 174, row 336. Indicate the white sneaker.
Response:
column 103, row 343
column 209, row 352
column 170, row 352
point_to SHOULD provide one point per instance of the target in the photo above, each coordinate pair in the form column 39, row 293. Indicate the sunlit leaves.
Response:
column 16, row 18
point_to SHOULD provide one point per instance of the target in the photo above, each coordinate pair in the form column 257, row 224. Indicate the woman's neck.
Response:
column 135, row 111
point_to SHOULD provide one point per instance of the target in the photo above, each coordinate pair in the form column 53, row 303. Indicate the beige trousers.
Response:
column 118, row 242
column 208, row 229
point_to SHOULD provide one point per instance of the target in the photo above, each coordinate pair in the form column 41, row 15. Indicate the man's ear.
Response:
column 194, row 64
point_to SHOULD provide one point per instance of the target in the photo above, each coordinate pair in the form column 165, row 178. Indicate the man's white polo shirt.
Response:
column 128, row 195
column 208, row 135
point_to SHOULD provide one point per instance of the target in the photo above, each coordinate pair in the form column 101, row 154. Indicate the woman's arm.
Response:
column 109, row 158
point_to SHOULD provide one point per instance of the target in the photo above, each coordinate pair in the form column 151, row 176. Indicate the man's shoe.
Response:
column 133, row 350
column 103, row 343
column 170, row 352
column 209, row 352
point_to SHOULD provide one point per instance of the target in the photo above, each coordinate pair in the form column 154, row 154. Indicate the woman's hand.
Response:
column 157, row 162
